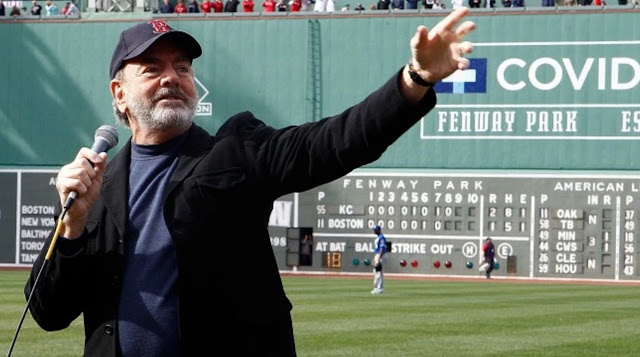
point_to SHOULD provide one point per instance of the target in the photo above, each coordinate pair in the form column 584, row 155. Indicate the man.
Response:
column 65, row 9
column 247, row 5
column 138, row 254
column 217, row 6
column 295, row 5
column 36, row 9
column 180, row 8
column 51, row 8
column 15, row 11
column 397, row 4
column 320, row 5
column 166, row 7
column 206, row 6
column 384, row 4
column 73, row 9
column 231, row 6
column 489, row 252
column 269, row 6
column 379, row 251
column 193, row 6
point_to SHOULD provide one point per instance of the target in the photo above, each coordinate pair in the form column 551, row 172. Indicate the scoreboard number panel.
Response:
column 8, row 200
column 27, row 205
column 545, row 225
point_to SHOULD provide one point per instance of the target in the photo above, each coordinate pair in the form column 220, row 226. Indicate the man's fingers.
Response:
column 420, row 36
column 465, row 47
column 90, row 155
column 453, row 18
column 463, row 63
column 465, row 28
column 68, row 184
column 76, row 176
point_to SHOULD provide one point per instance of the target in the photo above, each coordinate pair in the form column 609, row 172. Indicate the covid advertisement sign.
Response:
column 540, row 105
column 535, row 91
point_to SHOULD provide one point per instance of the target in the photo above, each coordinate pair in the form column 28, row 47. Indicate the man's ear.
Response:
column 118, row 94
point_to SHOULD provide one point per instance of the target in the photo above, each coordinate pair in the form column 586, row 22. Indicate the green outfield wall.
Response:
column 543, row 92
column 536, row 145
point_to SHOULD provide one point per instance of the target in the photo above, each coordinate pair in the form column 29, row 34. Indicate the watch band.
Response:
column 417, row 79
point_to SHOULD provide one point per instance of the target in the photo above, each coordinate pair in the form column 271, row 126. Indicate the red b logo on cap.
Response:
column 159, row 26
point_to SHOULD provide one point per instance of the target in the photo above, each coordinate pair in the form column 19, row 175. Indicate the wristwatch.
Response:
column 417, row 79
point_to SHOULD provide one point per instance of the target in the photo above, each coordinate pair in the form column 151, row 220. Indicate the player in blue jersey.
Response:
column 380, row 251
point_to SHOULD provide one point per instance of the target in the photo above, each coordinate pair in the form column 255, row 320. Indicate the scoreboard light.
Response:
column 367, row 262
column 403, row 262
column 356, row 261
column 332, row 260
column 414, row 263
column 436, row 264
column 447, row 264
column 469, row 265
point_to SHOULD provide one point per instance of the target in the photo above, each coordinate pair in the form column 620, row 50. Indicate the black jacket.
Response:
column 217, row 209
column 231, row 6
column 383, row 4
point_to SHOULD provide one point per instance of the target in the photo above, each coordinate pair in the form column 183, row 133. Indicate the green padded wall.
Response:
column 577, row 108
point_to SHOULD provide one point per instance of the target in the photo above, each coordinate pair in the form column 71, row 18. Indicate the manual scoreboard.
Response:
column 543, row 225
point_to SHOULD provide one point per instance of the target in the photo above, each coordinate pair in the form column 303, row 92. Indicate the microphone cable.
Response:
column 105, row 138
column 47, row 258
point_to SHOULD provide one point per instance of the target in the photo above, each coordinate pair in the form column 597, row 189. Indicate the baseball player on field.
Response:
column 380, row 250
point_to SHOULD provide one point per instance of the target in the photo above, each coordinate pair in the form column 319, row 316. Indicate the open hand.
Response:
column 437, row 53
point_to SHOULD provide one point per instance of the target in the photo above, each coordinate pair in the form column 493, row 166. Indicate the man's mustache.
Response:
column 169, row 93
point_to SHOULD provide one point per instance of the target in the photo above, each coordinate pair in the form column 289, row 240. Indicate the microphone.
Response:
column 106, row 137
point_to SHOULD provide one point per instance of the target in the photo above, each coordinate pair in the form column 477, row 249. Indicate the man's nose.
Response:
column 169, row 77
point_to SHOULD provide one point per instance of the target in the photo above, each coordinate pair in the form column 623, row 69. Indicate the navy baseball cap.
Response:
column 138, row 38
column 376, row 228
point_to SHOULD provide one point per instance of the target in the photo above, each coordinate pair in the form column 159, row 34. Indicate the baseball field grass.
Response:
column 337, row 316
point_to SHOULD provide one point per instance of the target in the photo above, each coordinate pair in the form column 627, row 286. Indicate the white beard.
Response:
column 151, row 116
